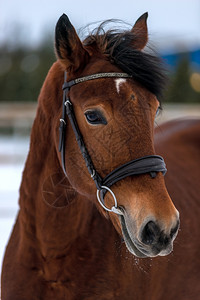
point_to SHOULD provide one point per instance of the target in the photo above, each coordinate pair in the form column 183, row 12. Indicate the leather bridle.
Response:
column 148, row 164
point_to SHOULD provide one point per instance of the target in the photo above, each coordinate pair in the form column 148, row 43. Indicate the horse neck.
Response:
column 51, row 211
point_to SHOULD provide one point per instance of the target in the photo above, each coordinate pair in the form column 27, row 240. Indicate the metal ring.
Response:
column 114, row 208
column 63, row 121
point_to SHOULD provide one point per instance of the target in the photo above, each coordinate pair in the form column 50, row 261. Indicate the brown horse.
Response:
column 65, row 245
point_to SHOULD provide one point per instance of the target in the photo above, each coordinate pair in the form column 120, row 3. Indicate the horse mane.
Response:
column 118, row 47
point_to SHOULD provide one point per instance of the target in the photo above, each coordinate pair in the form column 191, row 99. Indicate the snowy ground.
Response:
column 13, row 151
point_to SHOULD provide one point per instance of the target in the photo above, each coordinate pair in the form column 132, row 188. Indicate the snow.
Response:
column 13, row 152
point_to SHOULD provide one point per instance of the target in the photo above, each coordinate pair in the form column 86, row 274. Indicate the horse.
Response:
column 96, row 218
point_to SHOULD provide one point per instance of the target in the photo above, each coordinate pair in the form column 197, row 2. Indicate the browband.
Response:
column 94, row 76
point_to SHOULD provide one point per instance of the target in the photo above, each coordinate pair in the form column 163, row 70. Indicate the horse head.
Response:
column 116, row 119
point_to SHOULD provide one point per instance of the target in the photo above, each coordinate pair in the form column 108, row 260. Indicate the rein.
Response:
column 147, row 164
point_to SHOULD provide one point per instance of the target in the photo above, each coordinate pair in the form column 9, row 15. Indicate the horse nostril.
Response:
column 174, row 230
column 150, row 233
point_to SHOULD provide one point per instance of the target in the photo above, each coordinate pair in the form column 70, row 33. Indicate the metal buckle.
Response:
column 67, row 102
column 62, row 121
column 93, row 174
column 114, row 209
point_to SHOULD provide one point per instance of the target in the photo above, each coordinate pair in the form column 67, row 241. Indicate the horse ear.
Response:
column 141, row 32
column 68, row 46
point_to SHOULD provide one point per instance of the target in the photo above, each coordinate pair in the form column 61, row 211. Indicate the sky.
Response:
column 171, row 22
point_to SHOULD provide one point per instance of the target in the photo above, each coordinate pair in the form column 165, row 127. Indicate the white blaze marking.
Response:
column 118, row 82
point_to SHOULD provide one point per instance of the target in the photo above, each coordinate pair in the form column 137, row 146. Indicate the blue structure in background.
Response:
column 172, row 60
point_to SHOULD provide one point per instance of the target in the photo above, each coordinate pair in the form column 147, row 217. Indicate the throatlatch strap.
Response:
column 62, row 130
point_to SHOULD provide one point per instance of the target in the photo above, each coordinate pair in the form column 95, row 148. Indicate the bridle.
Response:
column 147, row 164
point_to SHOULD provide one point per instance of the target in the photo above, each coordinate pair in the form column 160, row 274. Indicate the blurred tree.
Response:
column 180, row 89
column 23, row 70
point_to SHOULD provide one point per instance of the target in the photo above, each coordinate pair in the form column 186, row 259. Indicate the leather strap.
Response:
column 148, row 164
column 94, row 76
column 95, row 176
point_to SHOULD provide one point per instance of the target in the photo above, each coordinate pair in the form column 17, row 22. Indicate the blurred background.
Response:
column 27, row 52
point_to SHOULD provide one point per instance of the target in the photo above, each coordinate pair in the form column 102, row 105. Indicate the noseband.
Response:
column 148, row 164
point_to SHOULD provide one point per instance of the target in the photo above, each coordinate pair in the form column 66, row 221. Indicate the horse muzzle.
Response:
column 150, row 240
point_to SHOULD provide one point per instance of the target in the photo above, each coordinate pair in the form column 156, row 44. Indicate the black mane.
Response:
column 118, row 46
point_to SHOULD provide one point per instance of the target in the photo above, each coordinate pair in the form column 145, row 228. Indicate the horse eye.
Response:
column 158, row 111
column 95, row 117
